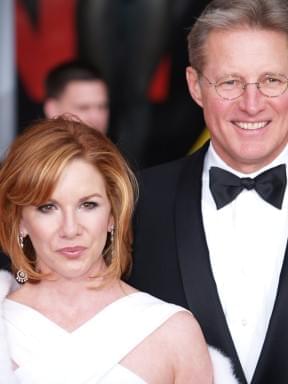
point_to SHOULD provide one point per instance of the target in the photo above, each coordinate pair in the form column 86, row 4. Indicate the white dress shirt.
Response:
column 247, row 241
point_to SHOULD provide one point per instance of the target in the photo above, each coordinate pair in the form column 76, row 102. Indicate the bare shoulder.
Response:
column 183, row 326
column 182, row 322
column 187, row 349
column 175, row 352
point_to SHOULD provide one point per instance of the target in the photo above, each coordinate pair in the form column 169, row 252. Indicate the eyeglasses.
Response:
column 232, row 87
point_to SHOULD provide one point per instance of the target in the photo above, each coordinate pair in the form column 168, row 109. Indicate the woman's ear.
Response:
column 193, row 82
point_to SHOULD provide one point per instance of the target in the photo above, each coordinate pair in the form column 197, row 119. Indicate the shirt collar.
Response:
column 212, row 159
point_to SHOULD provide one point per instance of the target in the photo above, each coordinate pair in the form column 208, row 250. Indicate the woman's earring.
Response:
column 21, row 276
column 21, row 240
column 112, row 239
column 112, row 234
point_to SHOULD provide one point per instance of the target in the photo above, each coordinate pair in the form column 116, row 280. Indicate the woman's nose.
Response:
column 70, row 226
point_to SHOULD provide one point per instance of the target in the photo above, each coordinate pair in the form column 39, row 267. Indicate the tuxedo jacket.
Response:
column 5, row 262
column 171, row 261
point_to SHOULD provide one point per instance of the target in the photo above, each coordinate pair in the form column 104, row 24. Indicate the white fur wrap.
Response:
column 7, row 284
column 222, row 368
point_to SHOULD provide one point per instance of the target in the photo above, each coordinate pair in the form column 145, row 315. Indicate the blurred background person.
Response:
column 77, row 89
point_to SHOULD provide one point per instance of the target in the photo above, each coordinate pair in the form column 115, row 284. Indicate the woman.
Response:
column 66, row 200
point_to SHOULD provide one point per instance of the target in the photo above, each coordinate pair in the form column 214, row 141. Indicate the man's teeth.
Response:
column 251, row 126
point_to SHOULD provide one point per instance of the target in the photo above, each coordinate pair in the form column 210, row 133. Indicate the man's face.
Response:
column 250, row 131
column 87, row 100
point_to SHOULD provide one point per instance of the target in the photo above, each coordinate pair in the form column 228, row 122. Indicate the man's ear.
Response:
column 50, row 108
column 194, row 85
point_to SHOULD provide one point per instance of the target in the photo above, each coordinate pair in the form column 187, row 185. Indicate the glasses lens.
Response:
column 230, row 88
column 273, row 85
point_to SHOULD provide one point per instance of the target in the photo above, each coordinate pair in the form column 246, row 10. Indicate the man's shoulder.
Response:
column 171, row 170
column 167, row 168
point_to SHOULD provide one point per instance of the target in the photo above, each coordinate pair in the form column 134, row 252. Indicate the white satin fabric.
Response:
column 46, row 353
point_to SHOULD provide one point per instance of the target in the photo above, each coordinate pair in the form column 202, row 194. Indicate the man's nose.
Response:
column 252, row 100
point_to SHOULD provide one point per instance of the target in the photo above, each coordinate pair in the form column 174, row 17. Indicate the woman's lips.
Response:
column 72, row 252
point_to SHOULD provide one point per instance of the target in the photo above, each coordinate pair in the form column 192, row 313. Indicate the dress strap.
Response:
column 125, row 324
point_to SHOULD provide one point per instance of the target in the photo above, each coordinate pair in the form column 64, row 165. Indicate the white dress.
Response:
column 47, row 354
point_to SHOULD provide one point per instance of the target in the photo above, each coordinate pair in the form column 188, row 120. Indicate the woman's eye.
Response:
column 89, row 204
column 45, row 208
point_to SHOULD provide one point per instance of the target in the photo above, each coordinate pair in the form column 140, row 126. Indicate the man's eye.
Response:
column 230, row 83
column 45, row 208
column 272, row 80
column 89, row 204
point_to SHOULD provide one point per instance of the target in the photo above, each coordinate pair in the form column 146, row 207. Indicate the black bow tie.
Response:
column 226, row 186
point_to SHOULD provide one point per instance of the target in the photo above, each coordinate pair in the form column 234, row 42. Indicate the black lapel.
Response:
column 272, row 366
column 199, row 284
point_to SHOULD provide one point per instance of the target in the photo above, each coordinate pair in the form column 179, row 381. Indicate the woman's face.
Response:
column 69, row 231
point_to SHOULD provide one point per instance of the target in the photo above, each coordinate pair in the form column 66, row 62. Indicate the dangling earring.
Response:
column 112, row 233
column 112, row 239
column 21, row 240
column 21, row 276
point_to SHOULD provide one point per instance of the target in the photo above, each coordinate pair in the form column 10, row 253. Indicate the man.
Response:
column 78, row 89
column 227, row 260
